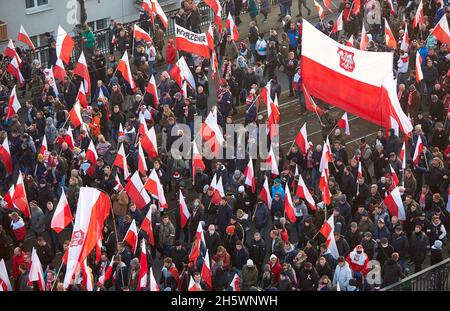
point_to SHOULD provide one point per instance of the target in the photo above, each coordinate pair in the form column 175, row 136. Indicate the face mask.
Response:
column 196, row 203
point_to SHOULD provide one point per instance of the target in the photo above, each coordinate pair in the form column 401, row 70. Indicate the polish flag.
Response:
column 121, row 162
column 319, row 9
column 404, row 45
column 360, row 174
column 206, row 270
column 302, row 140
column 5, row 284
column 184, row 211
column 326, row 157
column 339, row 24
column 441, row 30
column 24, row 38
column 197, row 160
column 142, row 164
column 13, row 104
column 216, row 7
column 152, row 89
column 391, row 6
column 131, row 237
column 394, row 203
column 232, row 28
column 118, row 185
column 136, row 192
column 235, row 283
column 402, row 156
column 344, row 124
column 69, row 138
column 142, row 127
column 36, row 273
column 14, row 70
column 180, row 72
column 324, row 188
column 395, row 180
column 121, row 133
column 75, row 115
column 19, row 198
column 265, row 93
column 92, row 210
column 154, row 187
column 91, row 153
column 349, row 42
column 124, row 68
column 107, row 275
column 303, row 192
column 146, row 226
column 349, row 70
column 143, row 271
column 8, row 197
column 64, row 45
column 327, row 231
column 141, row 34
column 149, row 143
column 327, row 4
column 288, row 205
column 5, row 155
column 418, row 151
column 153, row 284
column 419, row 18
column 193, row 286
column 356, row 7
column 272, row 163
column 211, row 132
column 157, row 10
column 86, row 276
column 273, row 117
column 81, row 96
column 249, row 174
column 11, row 52
column 210, row 38
column 389, row 36
column 62, row 216
column 419, row 73
column 309, row 102
column 58, row 70
column 265, row 194
column 218, row 190
column 81, row 69
column 364, row 39
column 191, row 42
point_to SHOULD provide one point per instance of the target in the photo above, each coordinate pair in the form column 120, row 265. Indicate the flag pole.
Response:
column 57, row 274
column 426, row 160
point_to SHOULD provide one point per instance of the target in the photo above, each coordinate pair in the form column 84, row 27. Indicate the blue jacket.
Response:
column 278, row 189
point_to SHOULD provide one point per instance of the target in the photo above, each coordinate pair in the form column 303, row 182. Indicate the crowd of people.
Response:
column 244, row 236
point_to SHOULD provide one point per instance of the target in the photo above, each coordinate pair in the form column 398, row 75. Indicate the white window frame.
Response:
column 39, row 8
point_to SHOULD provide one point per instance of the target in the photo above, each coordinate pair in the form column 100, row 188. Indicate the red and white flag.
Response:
column 154, row 187
column 143, row 271
column 211, row 133
column 153, row 8
column 206, row 270
column 419, row 18
column 62, row 216
column 69, row 138
column 327, row 231
column 265, row 93
column 81, row 96
column 356, row 7
column 273, row 117
column 324, row 188
column 360, row 173
column 191, row 42
column 344, row 124
column 121, row 162
column 218, row 190
column 5, row 284
column 402, row 155
column 394, row 203
column 389, row 36
column 25, row 38
column 210, row 38
column 146, row 226
column 302, row 140
column 11, row 52
column 5, row 155
column 91, row 153
column 303, row 192
column 404, row 45
column 180, row 72
column 232, row 28
column 43, row 148
column 131, row 237
column 272, row 163
column 184, row 211
column 19, row 198
column 136, row 192
column 117, row 184
column 395, row 181
column 339, row 24
column 121, row 133
column 107, row 275
column 235, row 283
column 141, row 34
column 142, row 164
column 418, row 151
column 265, row 193
column 326, row 157
column 319, row 9
column 309, row 102
column 59, row 72
column 124, row 68
column 149, row 143
column 81, row 69
column 441, row 31
column 197, row 160
column 36, row 273
column 193, row 286
column 249, row 174
column 64, row 45
column 350, row 70
column 288, row 205
column 364, row 39
column 13, row 104
column 153, row 284
column 152, row 89
column 419, row 73
column 14, row 70
column 216, row 7
column 350, row 41
column 92, row 210
column 75, row 115
column 327, row 4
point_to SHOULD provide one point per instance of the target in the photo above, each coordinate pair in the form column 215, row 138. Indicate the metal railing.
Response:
column 434, row 278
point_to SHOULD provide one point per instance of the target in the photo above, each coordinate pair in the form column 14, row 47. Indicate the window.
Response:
column 35, row 3
column 38, row 41
column 101, row 24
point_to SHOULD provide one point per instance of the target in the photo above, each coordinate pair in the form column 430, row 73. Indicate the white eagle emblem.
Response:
column 346, row 60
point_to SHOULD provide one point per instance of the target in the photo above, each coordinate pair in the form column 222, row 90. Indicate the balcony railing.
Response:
column 3, row 31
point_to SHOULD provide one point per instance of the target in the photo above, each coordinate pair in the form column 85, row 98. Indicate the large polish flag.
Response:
column 92, row 210
column 136, row 192
column 5, row 284
column 81, row 69
column 191, row 42
column 64, row 45
column 63, row 215
column 441, row 31
column 394, row 203
column 357, row 88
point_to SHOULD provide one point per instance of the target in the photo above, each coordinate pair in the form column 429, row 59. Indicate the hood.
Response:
column 49, row 121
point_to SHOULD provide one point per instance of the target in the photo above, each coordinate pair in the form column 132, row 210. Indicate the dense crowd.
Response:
column 243, row 235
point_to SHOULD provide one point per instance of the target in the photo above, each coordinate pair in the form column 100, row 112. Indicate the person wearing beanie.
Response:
column 436, row 253
column 418, row 244
column 275, row 268
column 249, row 275
column 308, row 278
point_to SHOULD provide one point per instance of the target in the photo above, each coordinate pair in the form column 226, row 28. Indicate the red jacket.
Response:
column 16, row 261
column 358, row 262
column 276, row 270
column 171, row 54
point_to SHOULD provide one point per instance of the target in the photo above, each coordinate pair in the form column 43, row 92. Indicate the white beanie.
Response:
column 250, row 263
column 241, row 189
column 273, row 257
